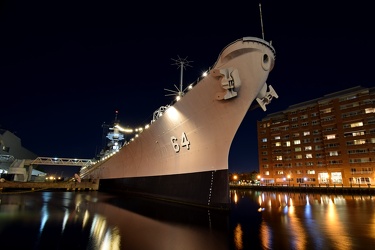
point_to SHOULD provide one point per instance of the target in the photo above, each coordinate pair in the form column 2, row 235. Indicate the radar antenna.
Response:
column 181, row 63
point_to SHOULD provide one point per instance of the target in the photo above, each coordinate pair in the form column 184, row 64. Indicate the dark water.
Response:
column 257, row 220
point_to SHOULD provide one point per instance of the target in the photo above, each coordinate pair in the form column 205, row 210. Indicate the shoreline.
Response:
column 322, row 189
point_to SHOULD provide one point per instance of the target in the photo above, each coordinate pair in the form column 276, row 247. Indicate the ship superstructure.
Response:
column 114, row 138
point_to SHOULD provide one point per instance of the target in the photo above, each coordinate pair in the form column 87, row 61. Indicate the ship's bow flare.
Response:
column 243, row 68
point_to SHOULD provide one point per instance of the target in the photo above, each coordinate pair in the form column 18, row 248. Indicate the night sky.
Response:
column 66, row 67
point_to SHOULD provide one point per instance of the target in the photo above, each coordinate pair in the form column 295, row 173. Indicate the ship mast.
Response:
column 261, row 19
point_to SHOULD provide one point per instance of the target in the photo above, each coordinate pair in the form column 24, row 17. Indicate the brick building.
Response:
column 329, row 140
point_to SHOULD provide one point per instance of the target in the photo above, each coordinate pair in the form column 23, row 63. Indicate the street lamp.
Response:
column 258, row 177
column 235, row 177
column 289, row 179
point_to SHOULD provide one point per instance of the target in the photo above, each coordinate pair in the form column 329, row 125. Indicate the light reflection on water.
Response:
column 93, row 220
column 257, row 220
column 312, row 221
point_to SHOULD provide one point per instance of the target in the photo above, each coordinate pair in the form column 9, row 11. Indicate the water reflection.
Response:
column 257, row 220
column 310, row 221
column 90, row 220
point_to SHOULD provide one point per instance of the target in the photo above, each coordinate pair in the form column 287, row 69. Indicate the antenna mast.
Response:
column 261, row 19
column 181, row 63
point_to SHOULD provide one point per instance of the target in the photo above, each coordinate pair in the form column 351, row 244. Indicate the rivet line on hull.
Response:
column 210, row 193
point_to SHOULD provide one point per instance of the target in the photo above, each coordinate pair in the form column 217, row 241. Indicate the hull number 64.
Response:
column 183, row 143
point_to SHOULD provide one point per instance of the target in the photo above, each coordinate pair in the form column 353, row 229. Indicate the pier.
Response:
column 21, row 176
column 12, row 186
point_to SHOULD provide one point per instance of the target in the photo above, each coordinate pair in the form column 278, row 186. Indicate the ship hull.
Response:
column 191, row 188
column 183, row 154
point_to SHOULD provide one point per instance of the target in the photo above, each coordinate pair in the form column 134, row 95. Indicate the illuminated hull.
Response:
column 183, row 155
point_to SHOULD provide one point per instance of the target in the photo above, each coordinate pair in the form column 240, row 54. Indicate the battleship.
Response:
column 182, row 154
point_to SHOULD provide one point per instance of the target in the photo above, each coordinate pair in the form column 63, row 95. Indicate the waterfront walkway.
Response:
column 323, row 189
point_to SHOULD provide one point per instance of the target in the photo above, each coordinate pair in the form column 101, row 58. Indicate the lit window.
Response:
column 297, row 142
column 264, row 140
column 327, row 110
column 358, row 133
column 358, row 142
column 329, row 137
column 357, row 124
column 369, row 110
column 306, row 133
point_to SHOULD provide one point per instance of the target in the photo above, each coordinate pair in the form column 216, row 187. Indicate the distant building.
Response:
column 329, row 140
column 12, row 149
